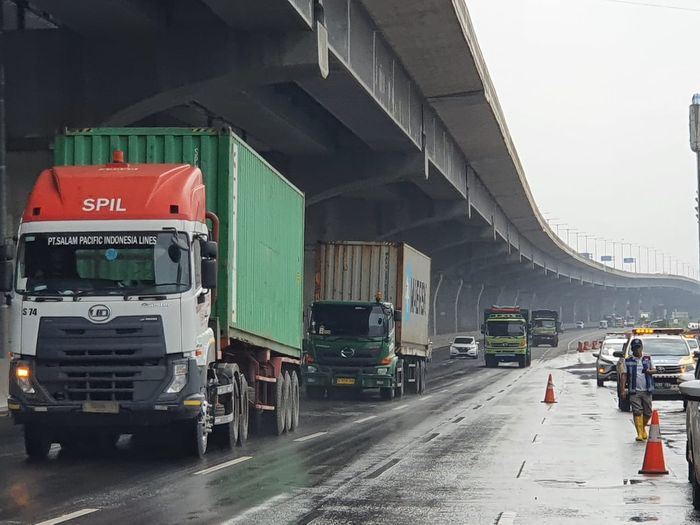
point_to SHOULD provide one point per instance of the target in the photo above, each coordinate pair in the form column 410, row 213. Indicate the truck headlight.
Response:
column 382, row 371
column 311, row 369
column 179, row 377
column 23, row 375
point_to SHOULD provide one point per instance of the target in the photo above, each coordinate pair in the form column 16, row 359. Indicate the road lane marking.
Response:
column 364, row 419
column 431, row 436
column 521, row 470
column 425, row 397
column 310, row 436
column 506, row 518
column 458, row 419
column 223, row 465
column 400, row 407
column 245, row 516
column 445, row 390
column 382, row 469
column 67, row 517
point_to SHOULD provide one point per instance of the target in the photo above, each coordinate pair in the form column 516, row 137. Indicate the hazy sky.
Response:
column 596, row 96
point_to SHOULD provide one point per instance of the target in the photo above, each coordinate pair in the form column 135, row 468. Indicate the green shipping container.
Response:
column 262, row 222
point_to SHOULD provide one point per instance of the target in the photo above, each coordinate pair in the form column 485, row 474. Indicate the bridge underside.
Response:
column 349, row 102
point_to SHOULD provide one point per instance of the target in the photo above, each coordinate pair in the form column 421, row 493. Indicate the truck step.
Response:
column 266, row 379
column 260, row 406
column 224, row 389
column 222, row 420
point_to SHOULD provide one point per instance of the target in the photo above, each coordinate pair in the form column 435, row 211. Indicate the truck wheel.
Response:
column 195, row 437
column 529, row 357
column 226, row 435
column 556, row 342
column 36, row 442
column 295, row 402
column 696, row 492
column 400, row 384
column 600, row 382
column 280, row 415
column 315, row 392
column 290, row 402
column 387, row 394
column 245, row 413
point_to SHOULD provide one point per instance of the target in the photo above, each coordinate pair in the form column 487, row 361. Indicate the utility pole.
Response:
column 694, row 123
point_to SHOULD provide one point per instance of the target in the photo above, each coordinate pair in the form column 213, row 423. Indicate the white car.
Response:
column 580, row 324
column 464, row 346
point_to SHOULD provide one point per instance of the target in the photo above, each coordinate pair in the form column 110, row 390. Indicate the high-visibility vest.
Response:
column 631, row 368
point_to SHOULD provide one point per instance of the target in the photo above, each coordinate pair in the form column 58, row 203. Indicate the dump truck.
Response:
column 158, row 292
column 505, row 330
column 368, row 323
column 545, row 327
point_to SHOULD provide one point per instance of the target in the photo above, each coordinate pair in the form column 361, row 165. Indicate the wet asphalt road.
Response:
column 478, row 447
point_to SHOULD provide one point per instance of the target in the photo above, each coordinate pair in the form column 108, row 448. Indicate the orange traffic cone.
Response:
column 586, row 348
column 595, row 345
column 549, row 394
column 654, row 462
column 580, row 346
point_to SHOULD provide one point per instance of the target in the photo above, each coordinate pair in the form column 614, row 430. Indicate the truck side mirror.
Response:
column 696, row 354
column 397, row 316
column 618, row 354
column 210, row 273
column 210, row 249
column 6, row 276
column 483, row 329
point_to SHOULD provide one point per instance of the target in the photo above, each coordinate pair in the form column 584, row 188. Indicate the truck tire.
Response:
column 315, row 392
column 400, row 383
column 295, row 402
column 529, row 357
column 245, row 412
column 290, row 402
column 522, row 361
column 279, row 417
column 195, row 437
column 36, row 442
column 226, row 435
column 600, row 382
column 387, row 394
column 555, row 343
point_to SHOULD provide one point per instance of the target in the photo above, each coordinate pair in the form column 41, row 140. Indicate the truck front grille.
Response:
column 122, row 360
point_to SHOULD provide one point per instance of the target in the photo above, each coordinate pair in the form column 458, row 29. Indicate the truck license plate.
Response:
column 345, row 381
column 101, row 407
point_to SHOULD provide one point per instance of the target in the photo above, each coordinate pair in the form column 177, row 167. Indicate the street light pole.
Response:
column 694, row 124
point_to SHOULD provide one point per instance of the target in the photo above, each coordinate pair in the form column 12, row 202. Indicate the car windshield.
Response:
column 544, row 323
column 665, row 346
column 349, row 320
column 103, row 263
column 464, row 340
column 609, row 348
column 505, row 328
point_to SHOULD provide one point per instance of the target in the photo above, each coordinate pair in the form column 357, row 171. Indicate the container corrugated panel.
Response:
column 261, row 213
column 356, row 271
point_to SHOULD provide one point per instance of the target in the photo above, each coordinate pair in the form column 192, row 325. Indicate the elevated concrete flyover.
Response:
column 383, row 113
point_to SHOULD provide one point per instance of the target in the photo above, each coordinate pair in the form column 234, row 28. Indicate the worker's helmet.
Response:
column 636, row 343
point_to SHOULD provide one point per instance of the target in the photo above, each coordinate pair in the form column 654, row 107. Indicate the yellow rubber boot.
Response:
column 645, row 420
column 639, row 425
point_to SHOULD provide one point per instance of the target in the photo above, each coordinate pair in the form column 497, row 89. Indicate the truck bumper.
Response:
column 347, row 377
column 506, row 357
column 124, row 416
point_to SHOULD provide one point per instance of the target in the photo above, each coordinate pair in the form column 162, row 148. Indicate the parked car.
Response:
column 603, row 324
column 606, row 362
column 670, row 355
column 580, row 324
column 464, row 346
column 690, row 391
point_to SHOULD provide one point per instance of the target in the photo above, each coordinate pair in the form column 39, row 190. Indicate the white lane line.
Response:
column 507, row 518
column 310, row 436
column 400, row 407
column 423, row 398
column 364, row 419
column 223, row 465
column 67, row 517
column 443, row 391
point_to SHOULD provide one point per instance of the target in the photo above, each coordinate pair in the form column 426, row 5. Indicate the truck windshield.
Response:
column 349, row 320
column 505, row 328
column 103, row 263
column 544, row 323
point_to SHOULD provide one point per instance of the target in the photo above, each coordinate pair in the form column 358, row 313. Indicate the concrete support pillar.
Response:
column 436, row 291
column 458, row 294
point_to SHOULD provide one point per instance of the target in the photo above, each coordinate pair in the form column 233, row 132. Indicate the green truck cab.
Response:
column 506, row 339
column 352, row 344
column 368, row 324
column 545, row 328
